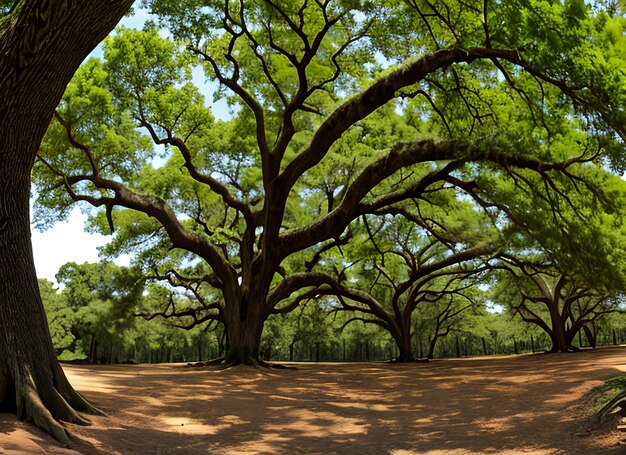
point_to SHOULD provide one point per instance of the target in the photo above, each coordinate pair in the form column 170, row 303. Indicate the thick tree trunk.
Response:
column 560, row 340
column 431, row 347
column 402, row 337
column 41, row 46
column 591, row 336
column 244, row 320
column 244, row 338
column 199, row 346
column 32, row 382
column 291, row 350
column 405, row 348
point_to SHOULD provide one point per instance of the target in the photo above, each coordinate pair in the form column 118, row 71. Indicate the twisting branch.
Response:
column 171, row 312
column 159, row 209
column 424, row 17
column 413, row 191
column 215, row 185
column 176, row 279
column 433, row 105
column 377, row 322
column 233, row 84
column 446, row 20
column 154, row 206
column 264, row 65
column 373, row 239
column 335, row 243
column 75, row 143
column 486, row 23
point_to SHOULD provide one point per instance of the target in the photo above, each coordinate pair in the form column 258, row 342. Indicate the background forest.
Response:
column 92, row 319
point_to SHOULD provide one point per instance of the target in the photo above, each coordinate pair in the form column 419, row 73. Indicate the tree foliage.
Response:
column 341, row 111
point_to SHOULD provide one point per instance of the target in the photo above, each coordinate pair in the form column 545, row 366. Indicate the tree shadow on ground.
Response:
column 522, row 404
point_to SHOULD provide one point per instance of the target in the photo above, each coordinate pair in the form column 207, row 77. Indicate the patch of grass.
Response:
column 69, row 356
column 601, row 396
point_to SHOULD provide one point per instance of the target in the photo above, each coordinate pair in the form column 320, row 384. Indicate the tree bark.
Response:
column 244, row 320
column 431, row 347
column 405, row 348
column 591, row 336
column 560, row 340
column 32, row 382
column 400, row 331
column 41, row 46
column 93, row 349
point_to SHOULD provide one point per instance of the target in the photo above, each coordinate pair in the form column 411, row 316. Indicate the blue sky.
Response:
column 67, row 241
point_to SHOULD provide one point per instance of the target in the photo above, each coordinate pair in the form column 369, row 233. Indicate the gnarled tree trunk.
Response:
column 244, row 320
column 32, row 382
column 591, row 334
column 402, row 337
column 560, row 340
column 41, row 46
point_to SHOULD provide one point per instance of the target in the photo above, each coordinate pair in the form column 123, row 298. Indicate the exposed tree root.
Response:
column 614, row 409
column 424, row 360
column 74, row 399
column 45, row 403
column 279, row 366
column 31, row 408
column 207, row 363
column 222, row 364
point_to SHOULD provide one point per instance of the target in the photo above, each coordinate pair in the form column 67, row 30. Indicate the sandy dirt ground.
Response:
column 527, row 404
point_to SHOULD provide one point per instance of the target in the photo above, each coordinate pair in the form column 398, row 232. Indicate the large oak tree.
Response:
column 303, row 82
column 42, row 43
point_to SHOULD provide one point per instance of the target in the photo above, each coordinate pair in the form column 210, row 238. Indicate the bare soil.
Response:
column 529, row 404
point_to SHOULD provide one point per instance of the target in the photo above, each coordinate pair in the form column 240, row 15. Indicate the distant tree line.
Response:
column 99, row 316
